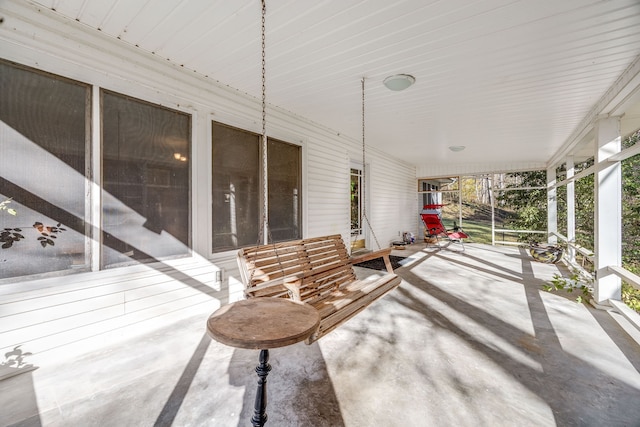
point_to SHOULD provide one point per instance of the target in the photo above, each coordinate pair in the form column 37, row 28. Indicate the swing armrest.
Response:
column 293, row 286
column 381, row 253
column 279, row 282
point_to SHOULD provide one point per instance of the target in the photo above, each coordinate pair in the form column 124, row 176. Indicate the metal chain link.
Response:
column 364, row 175
column 364, row 165
column 265, row 183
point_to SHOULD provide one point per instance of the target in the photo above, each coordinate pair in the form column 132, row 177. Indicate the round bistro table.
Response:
column 261, row 324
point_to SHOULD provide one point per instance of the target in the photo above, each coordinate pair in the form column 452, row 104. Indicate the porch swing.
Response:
column 317, row 271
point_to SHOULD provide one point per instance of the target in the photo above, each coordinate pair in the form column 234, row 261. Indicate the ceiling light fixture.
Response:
column 457, row 148
column 399, row 81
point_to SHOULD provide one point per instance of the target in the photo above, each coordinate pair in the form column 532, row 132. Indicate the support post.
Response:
column 571, row 210
column 493, row 217
column 460, row 201
column 608, row 210
column 552, row 206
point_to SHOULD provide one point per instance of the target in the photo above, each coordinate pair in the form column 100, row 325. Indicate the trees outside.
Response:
column 520, row 203
column 530, row 209
column 529, row 206
column 631, row 207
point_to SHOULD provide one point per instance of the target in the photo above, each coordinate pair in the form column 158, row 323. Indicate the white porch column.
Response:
column 571, row 210
column 552, row 206
column 608, row 209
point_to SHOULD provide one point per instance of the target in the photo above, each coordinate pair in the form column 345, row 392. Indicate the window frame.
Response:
column 190, row 116
column 300, row 196
column 83, row 223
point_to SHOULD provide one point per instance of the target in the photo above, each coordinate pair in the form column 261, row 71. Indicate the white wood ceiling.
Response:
column 508, row 79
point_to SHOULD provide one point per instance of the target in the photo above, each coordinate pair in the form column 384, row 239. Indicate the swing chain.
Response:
column 264, row 224
column 264, row 74
column 364, row 176
column 364, row 165
column 263, row 217
column 265, row 183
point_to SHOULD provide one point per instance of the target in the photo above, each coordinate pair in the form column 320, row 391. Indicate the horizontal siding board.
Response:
column 149, row 293
column 167, row 299
column 152, row 317
column 59, row 311
column 53, row 285
column 52, row 327
column 92, row 303
column 165, row 287
column 53, row 300
column 196, row 277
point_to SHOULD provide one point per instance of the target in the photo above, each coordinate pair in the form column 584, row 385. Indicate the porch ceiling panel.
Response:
column 510, row 80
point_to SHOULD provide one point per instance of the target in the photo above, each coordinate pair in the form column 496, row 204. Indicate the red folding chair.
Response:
column 434, row 228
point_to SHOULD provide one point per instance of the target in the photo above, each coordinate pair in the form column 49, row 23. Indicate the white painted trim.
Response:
column 443, row 170
column 625, row 154
column 588, row 171
column 43, row 40
column 95, row 178
column 608, row 210
column 571, row 209
column 632, row 279
column 629, row 314
column 552, row 205
column 613, row 102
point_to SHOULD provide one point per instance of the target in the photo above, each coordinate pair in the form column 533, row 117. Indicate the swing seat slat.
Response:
column 316, row 271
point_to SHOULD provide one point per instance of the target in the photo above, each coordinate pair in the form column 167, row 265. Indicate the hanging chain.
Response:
column 263, row 218
column 264, row 73
column 265, row 184
column 364, row 165
column 364, row 175
column 265, row 181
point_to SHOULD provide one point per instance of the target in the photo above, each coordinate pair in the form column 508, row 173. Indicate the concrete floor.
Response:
column 468, row 339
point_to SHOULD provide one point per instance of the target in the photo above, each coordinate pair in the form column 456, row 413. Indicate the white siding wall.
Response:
column 94, row 307
column 393, row 199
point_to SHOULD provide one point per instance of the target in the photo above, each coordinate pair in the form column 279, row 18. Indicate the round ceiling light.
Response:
column 399, row 81
column 457, row 148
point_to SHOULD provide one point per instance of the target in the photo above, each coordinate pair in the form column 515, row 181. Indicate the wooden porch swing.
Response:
column 316, row 271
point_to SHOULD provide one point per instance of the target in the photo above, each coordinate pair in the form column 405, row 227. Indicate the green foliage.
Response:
column 585, row 211
column 531, row 209
column 631, row 208
column 572, row 283
column 530, row 206
column 631, row 296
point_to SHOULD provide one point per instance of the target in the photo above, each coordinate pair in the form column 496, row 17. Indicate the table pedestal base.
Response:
column 259, row 323
column 259, row 415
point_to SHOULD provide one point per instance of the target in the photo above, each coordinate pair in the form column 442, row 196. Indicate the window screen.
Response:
column 284, row 190
column 44, row 131
column 237, row 188
column 146, row 161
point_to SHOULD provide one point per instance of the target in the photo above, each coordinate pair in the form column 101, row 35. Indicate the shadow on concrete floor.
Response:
column 468, row 339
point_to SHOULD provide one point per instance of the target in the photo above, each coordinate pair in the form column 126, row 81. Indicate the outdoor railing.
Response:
column 634, row 281
column 626, row 275
column 587, row 255
column 570, row 257
column 505, row 230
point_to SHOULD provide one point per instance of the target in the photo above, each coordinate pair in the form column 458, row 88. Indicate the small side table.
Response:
column 261, row 324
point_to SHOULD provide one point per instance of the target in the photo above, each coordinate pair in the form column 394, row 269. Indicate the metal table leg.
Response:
column 259, row 415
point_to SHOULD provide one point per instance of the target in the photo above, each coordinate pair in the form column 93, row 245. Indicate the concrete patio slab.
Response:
column 468, row 339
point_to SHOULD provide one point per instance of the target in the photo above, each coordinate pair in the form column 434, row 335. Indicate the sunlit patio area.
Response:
column 163, row 161
column 469, row 338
